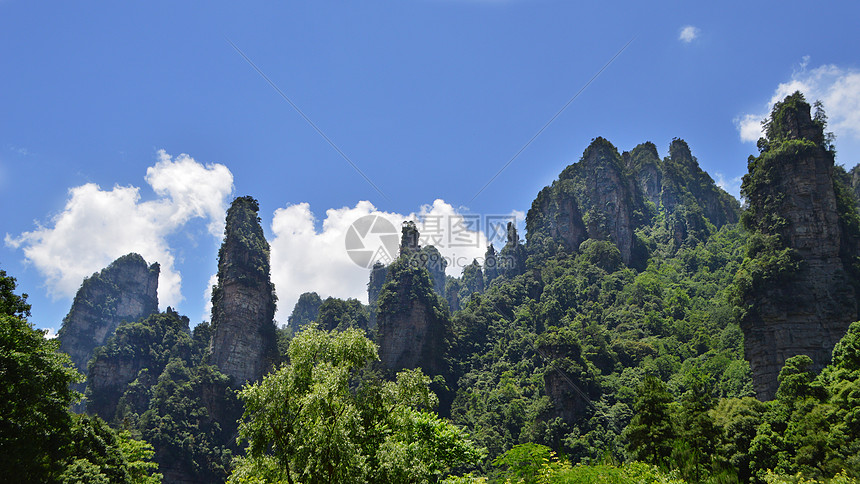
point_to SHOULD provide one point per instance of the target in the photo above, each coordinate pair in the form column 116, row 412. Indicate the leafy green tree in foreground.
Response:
column 316, row 420
column 34, row 400
column 40, row 440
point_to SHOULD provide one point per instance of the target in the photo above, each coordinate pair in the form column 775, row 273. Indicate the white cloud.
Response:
column 192, row 190
column 732, row 186
column 688, row 34
column 837, row 88
column 51, row 334
column 207, row 298
column 304, row 259
column 97, row 226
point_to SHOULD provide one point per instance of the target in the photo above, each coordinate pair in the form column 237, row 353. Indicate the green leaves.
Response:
column 34, row 400
column 323, row 418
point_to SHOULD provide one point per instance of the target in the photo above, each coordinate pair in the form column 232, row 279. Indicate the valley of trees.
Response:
column 611, row 345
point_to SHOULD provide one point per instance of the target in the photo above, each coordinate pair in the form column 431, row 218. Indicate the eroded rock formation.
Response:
column 593, row 198
column 126, row 290
column 244, row 343
column 798, row 283
column 412, row 321
column 135, row 346
column 607, row 196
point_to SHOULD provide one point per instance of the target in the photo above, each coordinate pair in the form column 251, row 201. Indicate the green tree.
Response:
column 98, row 453
column 315, row 421
column 696, row 448
column 12, row 304
column 35, row 395
column 650, row 433
column 339, row 314
column 40, row 440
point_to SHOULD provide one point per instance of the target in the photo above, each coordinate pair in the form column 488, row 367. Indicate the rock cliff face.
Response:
column 799, row 281
column 690, row 197
column 412, row 321
column 593, row 198
column 644, row 163
column 126, row 290
column 427, row 257
column 244, row 343
column 682, row 178
column 607, row 196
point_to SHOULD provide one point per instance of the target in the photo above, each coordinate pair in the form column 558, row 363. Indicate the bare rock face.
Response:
column 244, row 343
column 593, row 198
column 126, row 290
column 607, row 196
column 412, row 321
column 805, row 304
column 644, row 163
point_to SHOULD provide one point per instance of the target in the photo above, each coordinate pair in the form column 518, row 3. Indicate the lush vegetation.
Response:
column 549, row 363
column 40, row 439
column 324, row 418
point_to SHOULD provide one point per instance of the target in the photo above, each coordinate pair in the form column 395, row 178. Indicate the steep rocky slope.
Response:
column 126, row 290
column 593, row 198
column 244, row 344
column 609, row 196
column 412, row 321
column 305, row 311
column 799, row 282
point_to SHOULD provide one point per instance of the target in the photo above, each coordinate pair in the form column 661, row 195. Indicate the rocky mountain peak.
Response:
column 126, row 290
column 412, row 321
column 798, row 282
column 244, row 344
column 593, row 198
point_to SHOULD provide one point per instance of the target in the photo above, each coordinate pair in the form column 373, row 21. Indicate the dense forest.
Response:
column 648, row 329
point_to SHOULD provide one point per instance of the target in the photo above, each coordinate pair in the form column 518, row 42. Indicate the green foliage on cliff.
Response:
column 407, row 281
column 244, row 254
column 185, row 408
column 339, row 314
column 790, row 135
column 583, row 361
column 306, row 310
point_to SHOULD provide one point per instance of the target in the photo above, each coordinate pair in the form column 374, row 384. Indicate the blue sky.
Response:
column 130, row 127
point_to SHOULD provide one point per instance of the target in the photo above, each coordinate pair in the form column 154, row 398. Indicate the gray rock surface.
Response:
column 244, row 342
column 810, row 310
column 126, row 290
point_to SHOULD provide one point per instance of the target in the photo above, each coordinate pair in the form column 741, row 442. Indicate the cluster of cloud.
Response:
column 688, row 34
column 837, row 88
column 97, row 226
column 304, row 259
